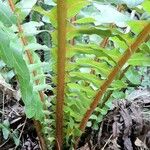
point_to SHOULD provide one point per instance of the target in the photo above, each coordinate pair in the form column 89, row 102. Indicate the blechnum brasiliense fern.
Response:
column 85, row 72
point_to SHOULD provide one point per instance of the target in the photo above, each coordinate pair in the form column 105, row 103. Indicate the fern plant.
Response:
column 86, row 72
column 83, row 90
column 17, row 51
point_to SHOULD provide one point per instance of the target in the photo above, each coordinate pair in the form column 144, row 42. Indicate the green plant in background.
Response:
column 108, row 43
column 8, row 133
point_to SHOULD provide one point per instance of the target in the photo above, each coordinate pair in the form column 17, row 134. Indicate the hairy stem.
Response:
column 103, row 44
column 61, row 54
column 105, row 99
column 129, row 52
column 37, row 124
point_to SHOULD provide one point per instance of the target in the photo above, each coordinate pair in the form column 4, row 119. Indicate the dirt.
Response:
column 21, row 129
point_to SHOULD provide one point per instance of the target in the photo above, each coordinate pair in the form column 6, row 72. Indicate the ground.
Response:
column 125, row 127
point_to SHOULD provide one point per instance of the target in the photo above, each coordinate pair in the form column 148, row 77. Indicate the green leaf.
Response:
column 77, row 132
column 119, row 44
column 109, row 104
column 73, row 87
column 42, row 87
column 8, row 75
column 36, row 66
column 118, row 95
column 31, row 28
column 118, row 85
column 93, row 117
column 95, row 126
column 84, row 20
column 49, row 2
column 51, row 15
column 104, row 110
column 133, row 76
column 75, row 32
column 26, row 6
column 89, row 124
column 100, row 118
column 73, row 114
column 36, row 46
column 145, row 48
column 16, row 138
column 87, row 77
column 11, row 52
column 104, row 15
column 146, row 5
column 137, row 26
column 73, row 7
column 18, row 61
column 139, row 59
column 103, row 68
column 85, row 99
column 107, row 55
column 6, row 15
column 5, row 129
column 114, row 54
column 76, row 106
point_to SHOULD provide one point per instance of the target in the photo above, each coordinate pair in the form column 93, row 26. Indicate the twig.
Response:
column 58, row 144
column 105, row 99
column 4, row 143
column 100, row 133
column 22, row 130
column 107, row 142
column 8, row 90
column 3, row 105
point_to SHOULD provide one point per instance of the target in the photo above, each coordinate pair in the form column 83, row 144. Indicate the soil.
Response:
column 21, row 128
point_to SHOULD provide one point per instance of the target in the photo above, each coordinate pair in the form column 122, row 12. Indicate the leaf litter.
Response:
column 125, row 127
